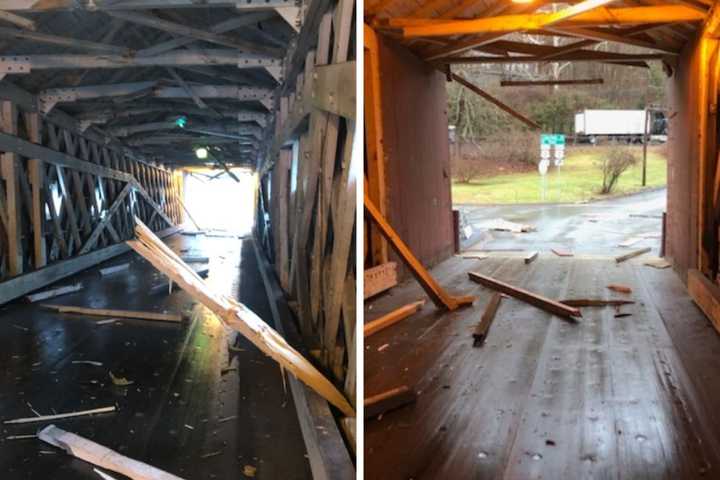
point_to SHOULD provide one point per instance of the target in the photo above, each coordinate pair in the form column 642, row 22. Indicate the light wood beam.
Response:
column 518, row 23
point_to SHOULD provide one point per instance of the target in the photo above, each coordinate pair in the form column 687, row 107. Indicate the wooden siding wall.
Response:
column 64, row 193
column 692, row 208
column 310, row 177
column 417, row 166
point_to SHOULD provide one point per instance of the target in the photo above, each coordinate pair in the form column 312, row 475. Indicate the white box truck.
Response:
column 620, row 125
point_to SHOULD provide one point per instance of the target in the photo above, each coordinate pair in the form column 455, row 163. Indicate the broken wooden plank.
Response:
column 48, row 418
column 531, row 257
column 101, row 456
column 195, row 259
column 474, row 256
column 543, row 303
column 483, row 327
column 389, row 400
column 592, row 302
column 392, row 318
column 235, row 315
column 105, row 312
column 114, row 269
column 633, row 254
column 616, row 287
column 562, row 252
column 706, row 295
column 379, row 278
column 56, row 292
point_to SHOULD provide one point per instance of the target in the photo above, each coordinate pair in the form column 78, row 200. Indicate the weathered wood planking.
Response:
column 706, row 295
column 379, row 278
column 391, row 318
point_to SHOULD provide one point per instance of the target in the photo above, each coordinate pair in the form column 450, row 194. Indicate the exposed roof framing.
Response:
column 473, row 31
column 128, row 69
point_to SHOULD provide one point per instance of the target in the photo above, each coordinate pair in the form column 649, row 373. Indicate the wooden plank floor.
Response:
column 632, row 397
column 183, row 413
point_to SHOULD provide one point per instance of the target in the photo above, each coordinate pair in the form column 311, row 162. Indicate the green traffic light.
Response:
column 181, row 122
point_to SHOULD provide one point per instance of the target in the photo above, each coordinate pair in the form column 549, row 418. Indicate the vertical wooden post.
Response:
column 645, row 143
column 374, row 144
column 36, row 170
column 11, row 175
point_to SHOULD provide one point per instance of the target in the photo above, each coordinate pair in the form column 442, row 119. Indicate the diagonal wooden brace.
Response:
column 436, row 293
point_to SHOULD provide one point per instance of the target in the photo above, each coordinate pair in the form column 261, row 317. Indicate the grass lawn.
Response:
column 579, row 180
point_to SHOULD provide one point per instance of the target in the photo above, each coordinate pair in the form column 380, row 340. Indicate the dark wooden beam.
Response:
column 533, row 83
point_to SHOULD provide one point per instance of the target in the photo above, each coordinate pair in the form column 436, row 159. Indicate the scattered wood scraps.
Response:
column 633, row 254
column 120, row 381
column 389, row 400
column 474, row 256
column 616, row 287
column 562, row 252
column 113, row 270
column 488, row 316
column 101, row 456
column 629, row 242
column 47, row 418
column 657, row 262
column 502, row 225
column 55, row 292
column 531, row 257
column 392, row 318
column 543, row 303
column 592, row 302
column 104, row 312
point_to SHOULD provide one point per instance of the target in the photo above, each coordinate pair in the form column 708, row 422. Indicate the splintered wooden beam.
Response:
column 17, row 20
column 55, row 292
column 436, row 293
column 101, row 456
column 483, row 327
column 496, row 102
column 543, row 303
column 389, row 400
column 104, row 312
column 533, row 83
column 392, row 318
column 235, row 315
column 538, row 21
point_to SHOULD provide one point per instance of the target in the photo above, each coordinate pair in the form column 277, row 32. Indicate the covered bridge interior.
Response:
column 619, row 392
column 115, row 115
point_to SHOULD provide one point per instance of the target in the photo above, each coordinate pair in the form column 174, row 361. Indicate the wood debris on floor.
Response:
column 633, row 254
column 115, row 269
column 55, row 292
column 105, row 312
column 389, row 400
column 562, row 252
column 481, row 331
column 392, row 318
column 101, row 456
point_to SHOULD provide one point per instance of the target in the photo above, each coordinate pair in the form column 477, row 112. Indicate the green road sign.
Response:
column 552, row 139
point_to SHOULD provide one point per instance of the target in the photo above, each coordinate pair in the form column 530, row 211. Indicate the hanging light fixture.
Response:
column 201, row 153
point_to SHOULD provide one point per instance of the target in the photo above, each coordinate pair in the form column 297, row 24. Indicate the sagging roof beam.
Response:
column 195, row 33
column 222, row 27
column 73, row 43
column 49, row 98
column 108, row 5
column 412, row 28
column 607, row 35
column 21, row 22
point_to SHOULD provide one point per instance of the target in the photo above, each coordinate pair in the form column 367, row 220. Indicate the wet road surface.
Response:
column 589, row 228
